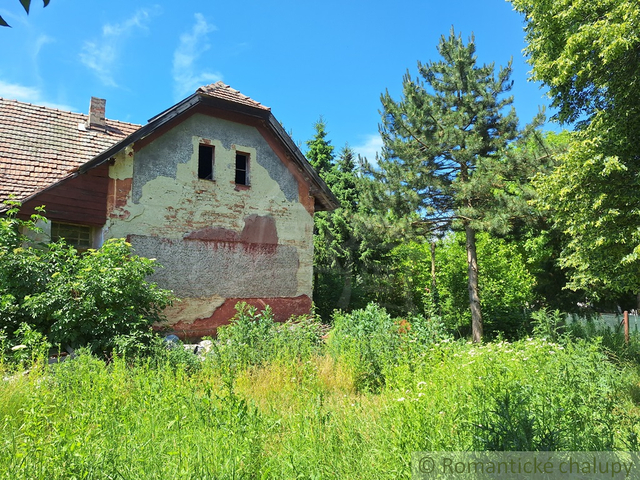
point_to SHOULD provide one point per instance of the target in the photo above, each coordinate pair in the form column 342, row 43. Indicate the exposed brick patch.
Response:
column 259, row 229
column 283, row 309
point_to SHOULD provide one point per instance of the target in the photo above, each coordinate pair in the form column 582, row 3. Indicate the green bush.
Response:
column 253, row 337
column 369, row 341
column 506, row 286
column 75, row 299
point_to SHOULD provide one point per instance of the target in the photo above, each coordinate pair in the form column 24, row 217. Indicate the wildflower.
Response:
column 18, row 347
column 421, row 383
column 401, row 399
column 420, row 394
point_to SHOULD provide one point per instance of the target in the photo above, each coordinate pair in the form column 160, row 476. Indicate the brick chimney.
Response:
column 96, row 113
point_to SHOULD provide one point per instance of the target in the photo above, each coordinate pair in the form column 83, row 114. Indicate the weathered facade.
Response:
column 217, row 192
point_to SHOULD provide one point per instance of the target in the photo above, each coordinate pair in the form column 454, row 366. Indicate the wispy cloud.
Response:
column 369, row 147
column 102, row 55
column 193, row 43
column 15, row 91
column 41, row 41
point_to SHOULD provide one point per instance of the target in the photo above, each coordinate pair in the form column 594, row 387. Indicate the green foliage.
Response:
column 589, row 197
column 30, row 347
column 445, row 153
column 565, row 413
column 548, row 324
column 371, row 342
column 299, row 417
column 73, row 299
column 347, row 250
column 253, row 338
column 505, row 283
column 453, row 154
column 586, row 52
column 103, row 294
column 368, row 341
column 320, row 153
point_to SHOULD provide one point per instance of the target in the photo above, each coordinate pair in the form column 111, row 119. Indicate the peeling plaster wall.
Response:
column 217, row 241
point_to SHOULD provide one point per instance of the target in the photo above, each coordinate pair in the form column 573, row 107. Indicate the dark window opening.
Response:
column 78, row 236
column 242, row 169
column 205, row 162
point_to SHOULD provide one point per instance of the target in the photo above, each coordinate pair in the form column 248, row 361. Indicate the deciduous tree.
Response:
column 588, row 53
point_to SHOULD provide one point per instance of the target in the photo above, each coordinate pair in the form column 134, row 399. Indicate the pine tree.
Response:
column 320, row 153
column 447, row 160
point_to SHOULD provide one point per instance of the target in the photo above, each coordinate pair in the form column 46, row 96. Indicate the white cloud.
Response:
column 192, row 43
column 369, row 147
column 101, row 56
column 41, row 41
column 33, row 95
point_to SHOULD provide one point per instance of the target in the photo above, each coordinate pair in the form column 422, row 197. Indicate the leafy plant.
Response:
column 368, row 341
column 74, row 299
column 253, row 337
column 548, row 324
column 30, row 346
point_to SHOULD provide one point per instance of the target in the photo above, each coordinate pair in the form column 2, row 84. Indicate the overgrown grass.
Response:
column 300, row 411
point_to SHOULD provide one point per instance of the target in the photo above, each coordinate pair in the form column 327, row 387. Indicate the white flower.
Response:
column 401, row 399
column 18, row 347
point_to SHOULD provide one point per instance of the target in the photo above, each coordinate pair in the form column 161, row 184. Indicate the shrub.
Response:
column 368, row 340
column 253, row 337
column 506, row 286
column 75, row 299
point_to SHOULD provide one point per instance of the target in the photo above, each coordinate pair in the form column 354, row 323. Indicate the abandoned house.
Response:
column 212, row 187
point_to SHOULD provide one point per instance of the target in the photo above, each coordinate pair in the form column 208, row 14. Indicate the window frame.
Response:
column 54, row 235
column 245, row 171
column 211, row 148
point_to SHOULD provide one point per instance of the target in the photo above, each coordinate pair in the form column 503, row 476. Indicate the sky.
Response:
column 304, row 59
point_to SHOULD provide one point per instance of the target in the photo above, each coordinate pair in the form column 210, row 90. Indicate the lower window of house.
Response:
column 79, row 236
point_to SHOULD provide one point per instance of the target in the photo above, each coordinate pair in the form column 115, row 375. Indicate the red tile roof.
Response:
column 225, row 92
column 40, row 146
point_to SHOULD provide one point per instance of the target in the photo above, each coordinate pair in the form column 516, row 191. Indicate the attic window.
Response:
column 242, row 169
column 78, row 236
column 205, row 162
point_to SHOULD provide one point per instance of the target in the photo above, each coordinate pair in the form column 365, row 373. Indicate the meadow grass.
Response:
column 306, row 415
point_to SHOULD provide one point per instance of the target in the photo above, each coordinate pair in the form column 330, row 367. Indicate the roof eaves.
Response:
column 142, row 132
column 319, row 189
column 4, row 207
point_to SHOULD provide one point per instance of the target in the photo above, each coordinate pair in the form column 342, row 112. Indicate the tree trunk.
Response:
column 433, row 267
column 474, row 297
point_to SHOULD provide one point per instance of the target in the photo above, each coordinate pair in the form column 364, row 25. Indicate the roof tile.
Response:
column 225, row 92
column 40, row 145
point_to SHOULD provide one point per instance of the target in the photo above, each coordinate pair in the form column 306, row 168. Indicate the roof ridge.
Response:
column 222, row 90
column 13, row 100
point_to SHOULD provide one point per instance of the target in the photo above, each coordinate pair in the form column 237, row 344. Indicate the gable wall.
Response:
column 219, row 243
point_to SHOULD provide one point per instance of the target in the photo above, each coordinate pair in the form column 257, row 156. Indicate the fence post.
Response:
column 626, row 326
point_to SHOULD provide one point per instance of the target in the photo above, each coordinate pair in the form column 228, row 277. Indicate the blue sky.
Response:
column 303, row 59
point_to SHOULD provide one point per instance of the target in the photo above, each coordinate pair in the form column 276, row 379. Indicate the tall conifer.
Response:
column 447, row 160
